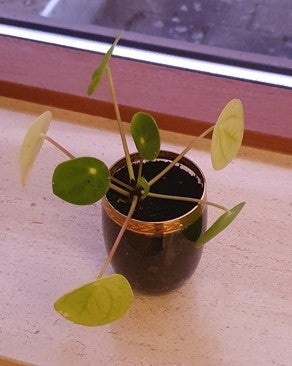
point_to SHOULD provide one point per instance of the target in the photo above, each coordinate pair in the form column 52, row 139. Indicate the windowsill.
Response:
column 239, row 291
column 181, row 101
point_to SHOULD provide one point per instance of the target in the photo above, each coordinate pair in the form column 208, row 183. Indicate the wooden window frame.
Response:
column 180, row 100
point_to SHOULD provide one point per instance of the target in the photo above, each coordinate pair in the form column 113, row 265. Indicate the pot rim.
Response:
column 158, row 227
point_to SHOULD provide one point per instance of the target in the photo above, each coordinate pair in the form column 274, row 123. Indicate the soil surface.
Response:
column 176, row 182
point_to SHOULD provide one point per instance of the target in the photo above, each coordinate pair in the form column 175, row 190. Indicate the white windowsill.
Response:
column 233, row 311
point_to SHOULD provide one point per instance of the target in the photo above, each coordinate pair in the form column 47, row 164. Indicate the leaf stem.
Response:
column 120, row 124
column 122, row 184
column 119, row 190
column 187, row 199
column 119, row 237
column 140, row 169
column 58, row 146
column 177, row 159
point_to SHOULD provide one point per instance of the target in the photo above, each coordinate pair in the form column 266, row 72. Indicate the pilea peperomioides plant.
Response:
column 85, row 180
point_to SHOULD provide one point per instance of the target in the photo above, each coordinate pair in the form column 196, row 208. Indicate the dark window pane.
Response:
column 258, row 32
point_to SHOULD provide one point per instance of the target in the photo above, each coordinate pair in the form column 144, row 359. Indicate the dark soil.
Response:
column 177, row 182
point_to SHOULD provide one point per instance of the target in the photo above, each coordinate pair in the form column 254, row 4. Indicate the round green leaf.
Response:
column 146, row 135
column 81, row 181
column 227, row 135
column 32, row 143
column 219, row 225
column 97, row 303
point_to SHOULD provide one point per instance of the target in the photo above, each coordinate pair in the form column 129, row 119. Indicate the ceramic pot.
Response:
column 155, row 256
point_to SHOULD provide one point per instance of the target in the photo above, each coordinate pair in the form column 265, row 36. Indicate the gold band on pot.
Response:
column 153, row 228
column 164, row 227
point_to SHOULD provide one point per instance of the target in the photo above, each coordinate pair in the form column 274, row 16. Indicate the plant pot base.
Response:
column 155, row 256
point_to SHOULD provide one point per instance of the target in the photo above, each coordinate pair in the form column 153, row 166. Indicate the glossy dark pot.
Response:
column 156, row 257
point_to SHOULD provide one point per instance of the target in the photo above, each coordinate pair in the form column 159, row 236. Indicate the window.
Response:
column 182, row 100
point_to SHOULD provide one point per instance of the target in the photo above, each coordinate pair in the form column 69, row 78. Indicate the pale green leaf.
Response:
column 227, row 135
column 97, row 303
column 219, row 225
column 98, row 73
column 146, row 135
column 32, row 143
column 142, row 182
column 81, row 181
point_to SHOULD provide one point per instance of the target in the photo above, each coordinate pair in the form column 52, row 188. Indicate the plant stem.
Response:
column 122, row 184
column 58, row 146
column 119, row 237
column 177, row 159
column 120, row 190
column 187, row 199
column 120, row 124
column 140, row 168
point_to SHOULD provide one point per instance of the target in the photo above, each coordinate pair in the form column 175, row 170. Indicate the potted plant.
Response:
column 154, row 207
